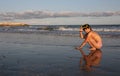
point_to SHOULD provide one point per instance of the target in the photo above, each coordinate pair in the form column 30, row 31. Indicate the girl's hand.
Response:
column 81, row 29
column 78, row 48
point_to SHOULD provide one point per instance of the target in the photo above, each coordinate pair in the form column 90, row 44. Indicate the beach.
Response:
column 30, row 54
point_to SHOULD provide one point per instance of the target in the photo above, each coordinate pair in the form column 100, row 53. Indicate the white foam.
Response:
column 67, row 29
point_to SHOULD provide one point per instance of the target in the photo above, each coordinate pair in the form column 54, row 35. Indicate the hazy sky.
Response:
column 60, row 11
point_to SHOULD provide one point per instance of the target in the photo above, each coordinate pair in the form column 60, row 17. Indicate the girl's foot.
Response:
column 92, row 49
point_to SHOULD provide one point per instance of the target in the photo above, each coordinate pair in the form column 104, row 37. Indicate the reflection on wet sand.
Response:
column 90, row 60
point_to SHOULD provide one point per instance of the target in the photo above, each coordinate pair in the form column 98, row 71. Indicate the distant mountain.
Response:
column 12, row 24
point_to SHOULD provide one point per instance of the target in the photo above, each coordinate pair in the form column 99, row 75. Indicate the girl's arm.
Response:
column 86, row 40
column 81, row 34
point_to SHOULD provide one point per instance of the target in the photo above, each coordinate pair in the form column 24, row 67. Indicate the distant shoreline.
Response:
column 12, row 24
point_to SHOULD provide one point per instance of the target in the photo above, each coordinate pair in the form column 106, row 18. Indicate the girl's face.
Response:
column 87, row 30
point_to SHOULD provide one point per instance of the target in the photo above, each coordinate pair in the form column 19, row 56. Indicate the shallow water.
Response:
column 47, row 55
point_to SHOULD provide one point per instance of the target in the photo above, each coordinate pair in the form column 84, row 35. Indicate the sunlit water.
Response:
column 23, row 54
column 49, row 51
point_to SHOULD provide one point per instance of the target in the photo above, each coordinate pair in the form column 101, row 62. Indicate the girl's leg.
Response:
column 91, row 46
column 94, row 45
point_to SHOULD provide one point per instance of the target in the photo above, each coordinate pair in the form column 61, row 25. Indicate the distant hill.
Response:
column 12, row 24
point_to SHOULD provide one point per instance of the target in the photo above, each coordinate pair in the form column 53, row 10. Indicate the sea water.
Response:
column 48, row 50
column 71, row 30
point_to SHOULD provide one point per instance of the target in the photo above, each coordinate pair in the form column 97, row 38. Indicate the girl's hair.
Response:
column 85, row 26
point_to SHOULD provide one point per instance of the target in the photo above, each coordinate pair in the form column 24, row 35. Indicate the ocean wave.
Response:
column 95, row 29
column 63, row 30
column 67, row 29
column 107, row 30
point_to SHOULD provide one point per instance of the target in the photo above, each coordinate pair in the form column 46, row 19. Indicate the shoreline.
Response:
column 12, row 24
column 46, row 55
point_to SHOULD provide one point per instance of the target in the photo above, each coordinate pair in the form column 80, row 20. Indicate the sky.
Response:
column 60, row 12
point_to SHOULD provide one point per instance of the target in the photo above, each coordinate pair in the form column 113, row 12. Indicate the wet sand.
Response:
column 42, row 55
